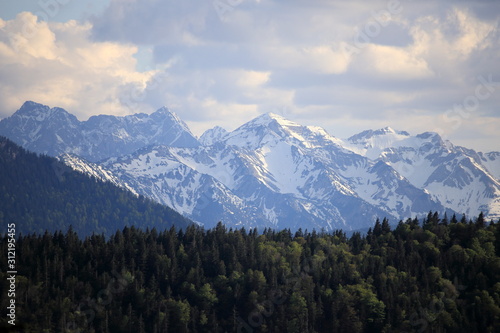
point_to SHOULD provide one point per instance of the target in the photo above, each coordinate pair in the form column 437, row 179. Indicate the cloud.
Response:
column 225, row 65
column 57, row 64
column 152, row 21
column 391, row 62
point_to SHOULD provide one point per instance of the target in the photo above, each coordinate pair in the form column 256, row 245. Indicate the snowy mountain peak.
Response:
column 371, row 143
column 259, row 131
column 165, row 113
column 270, row 118
column 28, row 106
column 276, row 117
column 39, row 112
column 213, row 135
column 270, row 129
column 369, row 134
column 430, row 136
column 390, row 130
column 164, row 110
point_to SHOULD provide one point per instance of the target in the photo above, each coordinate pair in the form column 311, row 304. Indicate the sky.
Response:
column 346, row 66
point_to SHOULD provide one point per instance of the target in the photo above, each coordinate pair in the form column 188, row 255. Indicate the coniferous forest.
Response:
column 437, row 274
column 45, row 194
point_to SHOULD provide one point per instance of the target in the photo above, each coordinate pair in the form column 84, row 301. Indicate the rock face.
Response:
column 269, row 172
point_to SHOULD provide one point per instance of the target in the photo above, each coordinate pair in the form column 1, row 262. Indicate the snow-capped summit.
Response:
column 365, row 135
column 165, row 114
column 268, row 118
column 42, row 113
column 258, row 131
column 213, row 135
column 270, row 127
column 41, row 129
column 371, row 142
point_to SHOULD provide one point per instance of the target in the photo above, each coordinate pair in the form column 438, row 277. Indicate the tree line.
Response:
column 436, row 274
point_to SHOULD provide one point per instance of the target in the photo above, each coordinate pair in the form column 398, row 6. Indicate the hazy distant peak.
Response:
column 374, row 133
column 212, row 135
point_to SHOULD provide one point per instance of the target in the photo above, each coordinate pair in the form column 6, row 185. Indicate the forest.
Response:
column 45, row 194
column 434, row 274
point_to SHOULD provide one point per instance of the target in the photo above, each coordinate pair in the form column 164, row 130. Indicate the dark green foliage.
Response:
column 419, row 277
column 39, row 193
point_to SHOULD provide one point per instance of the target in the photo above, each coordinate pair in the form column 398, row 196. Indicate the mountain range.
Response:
column 269, row 172
column 54, row 131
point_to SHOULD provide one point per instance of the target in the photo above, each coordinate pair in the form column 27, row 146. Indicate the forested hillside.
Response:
column 39, row 193
column 433, row 275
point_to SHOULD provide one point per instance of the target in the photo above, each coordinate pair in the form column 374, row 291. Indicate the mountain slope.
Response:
column 491, row 161
column 53, row 131
column 40, row 193
column 93, row 170
column 161, row 173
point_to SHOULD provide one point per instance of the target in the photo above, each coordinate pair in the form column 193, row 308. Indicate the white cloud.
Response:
column 57, row 64
column 391, row 63
column 450, row 41
column 473, row 33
